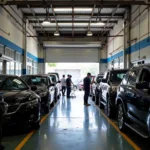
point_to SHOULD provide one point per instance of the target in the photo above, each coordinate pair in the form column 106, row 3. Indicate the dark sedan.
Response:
column 22, row 105
column 42, row 85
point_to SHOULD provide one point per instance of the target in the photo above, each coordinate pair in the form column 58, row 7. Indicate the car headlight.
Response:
column 32, row 103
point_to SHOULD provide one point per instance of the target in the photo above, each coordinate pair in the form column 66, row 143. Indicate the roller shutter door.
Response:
column 72, row 55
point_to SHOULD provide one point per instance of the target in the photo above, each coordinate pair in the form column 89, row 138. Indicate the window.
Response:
column 35, row 80
column 133, row 76
column 117, row 76
column 145, row 76
column 1, row 49
column 13, row 84
column 125, row 79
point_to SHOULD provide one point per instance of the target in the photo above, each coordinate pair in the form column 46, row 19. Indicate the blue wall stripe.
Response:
column 136, row 47
column 18, row 49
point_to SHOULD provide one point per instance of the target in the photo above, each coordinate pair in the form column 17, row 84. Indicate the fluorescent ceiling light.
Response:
column 70, row 9
column 56, row 33
column 89, row 33
column 98, row 24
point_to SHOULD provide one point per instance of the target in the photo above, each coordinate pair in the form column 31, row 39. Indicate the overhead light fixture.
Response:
column 89, row 33
column 46, row 22
column 98, row 24
column 70, row 9
column 56, row 33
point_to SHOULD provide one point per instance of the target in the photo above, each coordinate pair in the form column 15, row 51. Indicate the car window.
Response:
column 53, row 78
column 117, row 76
column 35, row 80
column 133, row 74
column 13, row 84
column 106, row 75
column 145, row 76
column 125, row 79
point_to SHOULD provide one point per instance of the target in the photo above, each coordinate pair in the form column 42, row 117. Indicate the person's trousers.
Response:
column 68, row 91
column 86, row 96
column 63, row 90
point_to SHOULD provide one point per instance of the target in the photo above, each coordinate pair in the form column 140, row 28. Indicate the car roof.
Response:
column 143, row 65
column 7, row 75
column 35, row 75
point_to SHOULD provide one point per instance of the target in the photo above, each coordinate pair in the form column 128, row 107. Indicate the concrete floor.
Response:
column 71, row 125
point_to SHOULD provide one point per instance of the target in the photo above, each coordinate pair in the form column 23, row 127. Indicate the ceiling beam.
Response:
column 87, row 3
column 69, row 21
column 38, row 27
column 63, row 14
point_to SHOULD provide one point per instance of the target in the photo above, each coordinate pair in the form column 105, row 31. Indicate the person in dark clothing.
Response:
column 68, row 85
column 86, row 86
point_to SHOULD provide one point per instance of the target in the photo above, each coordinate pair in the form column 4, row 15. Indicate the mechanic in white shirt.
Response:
column 63, row 85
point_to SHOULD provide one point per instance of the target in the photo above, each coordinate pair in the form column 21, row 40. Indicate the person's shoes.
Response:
column 2, row 147
column 87, row 104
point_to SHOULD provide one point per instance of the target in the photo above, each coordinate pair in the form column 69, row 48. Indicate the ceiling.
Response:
column 74, row 18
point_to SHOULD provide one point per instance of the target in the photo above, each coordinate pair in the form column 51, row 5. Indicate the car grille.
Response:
column 12, row 108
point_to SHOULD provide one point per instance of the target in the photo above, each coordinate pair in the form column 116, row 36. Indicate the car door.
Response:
column 131, row 94
column 105, row 86
column 144, row 100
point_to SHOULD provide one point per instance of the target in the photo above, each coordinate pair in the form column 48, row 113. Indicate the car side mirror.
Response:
column 104, row 80
column 142, row 85
column 33, row 87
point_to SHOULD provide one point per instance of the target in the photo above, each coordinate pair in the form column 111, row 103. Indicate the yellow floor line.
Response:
column 124, row 135
column 28, row 136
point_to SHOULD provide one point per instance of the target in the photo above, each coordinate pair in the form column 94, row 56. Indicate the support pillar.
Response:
column 24, row 70
column 126, row 51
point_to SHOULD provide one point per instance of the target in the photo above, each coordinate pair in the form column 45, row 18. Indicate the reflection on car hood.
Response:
column 40, row 89
column 15, row 96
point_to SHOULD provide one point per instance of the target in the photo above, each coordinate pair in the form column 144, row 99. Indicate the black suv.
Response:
column 22, row 105
column 108, row 89
column 43, row 86
column 133, row 101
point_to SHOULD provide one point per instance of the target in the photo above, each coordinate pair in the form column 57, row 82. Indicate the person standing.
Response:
column 68, row 84
column 86, row 86
column 63, row 85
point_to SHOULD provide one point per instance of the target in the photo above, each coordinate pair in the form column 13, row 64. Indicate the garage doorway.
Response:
column 77, row 70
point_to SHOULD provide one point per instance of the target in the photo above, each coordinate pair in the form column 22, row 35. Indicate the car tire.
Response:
column 35, row 125
column 101, row 106
column 109, row 109
column 47, row 109
column 97, row 100
column 121, row 117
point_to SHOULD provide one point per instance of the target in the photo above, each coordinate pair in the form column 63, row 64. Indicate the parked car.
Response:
column 23, row 105
column 92, row 81
column 42, row 86
column 94, row 88
column 108, row 89
column 57, row 83
column 133, row 101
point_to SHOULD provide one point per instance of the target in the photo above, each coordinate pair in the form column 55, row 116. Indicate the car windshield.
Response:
column 117, row 76
column 12, row 83
column 35, row 80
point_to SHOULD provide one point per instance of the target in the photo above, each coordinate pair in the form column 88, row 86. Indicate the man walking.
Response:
column 68, row 84
column 86, row 86
column 63, row 85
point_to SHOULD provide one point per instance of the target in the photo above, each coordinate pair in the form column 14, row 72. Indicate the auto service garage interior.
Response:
column 115, row 34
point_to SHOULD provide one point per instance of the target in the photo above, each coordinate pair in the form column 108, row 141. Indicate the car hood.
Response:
column 15, row 96
column 41, row 89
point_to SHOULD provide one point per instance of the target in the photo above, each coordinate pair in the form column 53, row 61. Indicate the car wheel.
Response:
column 97, row 99
column 109, row 109
column 35, row 125
column 58, row 97
column 121, row 118
column 47, row 109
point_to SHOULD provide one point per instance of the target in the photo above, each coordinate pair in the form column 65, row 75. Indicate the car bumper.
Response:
column 24, row 115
